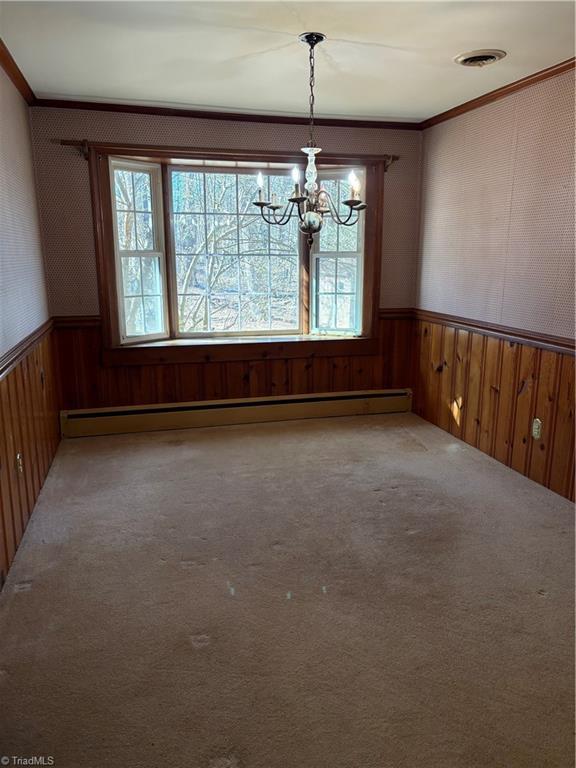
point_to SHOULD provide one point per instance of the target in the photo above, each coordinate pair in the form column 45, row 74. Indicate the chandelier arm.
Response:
column 268, row 221
column 344, row 222
column 334, row 212
column 285, row 216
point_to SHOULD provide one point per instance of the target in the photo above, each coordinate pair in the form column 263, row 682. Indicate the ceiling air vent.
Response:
column 480, row 58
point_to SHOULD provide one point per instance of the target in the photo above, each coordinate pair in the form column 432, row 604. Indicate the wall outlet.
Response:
column 19, row 463
column 536, row 429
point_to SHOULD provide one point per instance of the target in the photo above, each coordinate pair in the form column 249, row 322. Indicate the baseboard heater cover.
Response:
column 218, row 413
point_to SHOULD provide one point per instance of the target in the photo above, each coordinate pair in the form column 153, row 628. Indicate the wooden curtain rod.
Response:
column 84, row 146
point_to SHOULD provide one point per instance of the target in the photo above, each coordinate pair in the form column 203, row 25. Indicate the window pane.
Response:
column 189, row 233
column 284, row 309
column 126, row 231
column 284, row 239
column 247, row 193
column 192, row 313
column 153, row 314
column 144, row 237
column 331, row 186
column 254, row 274
column 191, row 275
column 142, row 193
column 151, row 278
column 223, row 274
column 282, row 186
column 328, row 236
column 188, row 192
column 326, row 275
column 222, row 234
column 347, row 275
column 134, row 317
column 326, row 311
column 124, row 190
column 348, row 238
column 220, row 192
column 131, row 284
column 223, row 313
column 255, row 313
column 345, row 316
column 253, row 234
column 284, row 273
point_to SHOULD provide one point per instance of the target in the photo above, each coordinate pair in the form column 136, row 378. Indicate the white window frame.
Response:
column 168, row 269
column 159, row 250
column 340, row 174
column 267, row 169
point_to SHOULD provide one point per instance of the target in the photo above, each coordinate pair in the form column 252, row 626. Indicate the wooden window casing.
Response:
column 190, row 349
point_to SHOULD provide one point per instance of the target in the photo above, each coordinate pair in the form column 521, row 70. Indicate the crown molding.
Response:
column 12, row 69
column 9, row 65
column 500, row 93
column 237, row 117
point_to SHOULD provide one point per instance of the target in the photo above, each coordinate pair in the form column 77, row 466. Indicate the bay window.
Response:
column 185, row 257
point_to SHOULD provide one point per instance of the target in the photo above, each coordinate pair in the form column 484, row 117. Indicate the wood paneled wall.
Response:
column 84, row 382
column 487, row 390
column 483, row 389
column 29, row 437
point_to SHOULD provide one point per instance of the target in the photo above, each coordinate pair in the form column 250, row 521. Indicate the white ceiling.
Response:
column 381, row 59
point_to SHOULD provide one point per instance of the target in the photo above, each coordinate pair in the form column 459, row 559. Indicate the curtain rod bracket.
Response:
column 82, row 146
column 388, row 160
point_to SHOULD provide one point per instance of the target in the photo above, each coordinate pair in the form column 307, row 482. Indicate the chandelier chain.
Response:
column 310, row 204
column 312, row 83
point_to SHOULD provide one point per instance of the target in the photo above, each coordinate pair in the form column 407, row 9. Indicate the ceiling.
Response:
column 382, row 60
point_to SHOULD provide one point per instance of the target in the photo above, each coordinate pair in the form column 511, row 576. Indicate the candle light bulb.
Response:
column 260, row 182
column 354, row 186
column 296, row 180
column 354, row 182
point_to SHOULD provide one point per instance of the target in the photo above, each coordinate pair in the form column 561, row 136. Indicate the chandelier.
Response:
column 312, row 203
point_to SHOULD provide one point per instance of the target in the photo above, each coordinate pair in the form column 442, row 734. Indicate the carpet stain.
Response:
column 224, row 762
column 200, row 641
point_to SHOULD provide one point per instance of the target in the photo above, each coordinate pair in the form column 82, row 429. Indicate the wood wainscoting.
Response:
column 486, row 388
column 29, row 435
column 86, row 382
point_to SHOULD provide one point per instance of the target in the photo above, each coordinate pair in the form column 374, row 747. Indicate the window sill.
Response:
column 181, row 351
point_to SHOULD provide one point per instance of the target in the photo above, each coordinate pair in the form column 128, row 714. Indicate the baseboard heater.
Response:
column 218, row 413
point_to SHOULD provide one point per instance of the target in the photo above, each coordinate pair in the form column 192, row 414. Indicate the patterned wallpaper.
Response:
column 64, row 194
column 497, row 214
column 23, row 303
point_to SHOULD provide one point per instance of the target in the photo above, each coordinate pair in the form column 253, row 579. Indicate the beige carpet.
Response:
column 349, row 593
